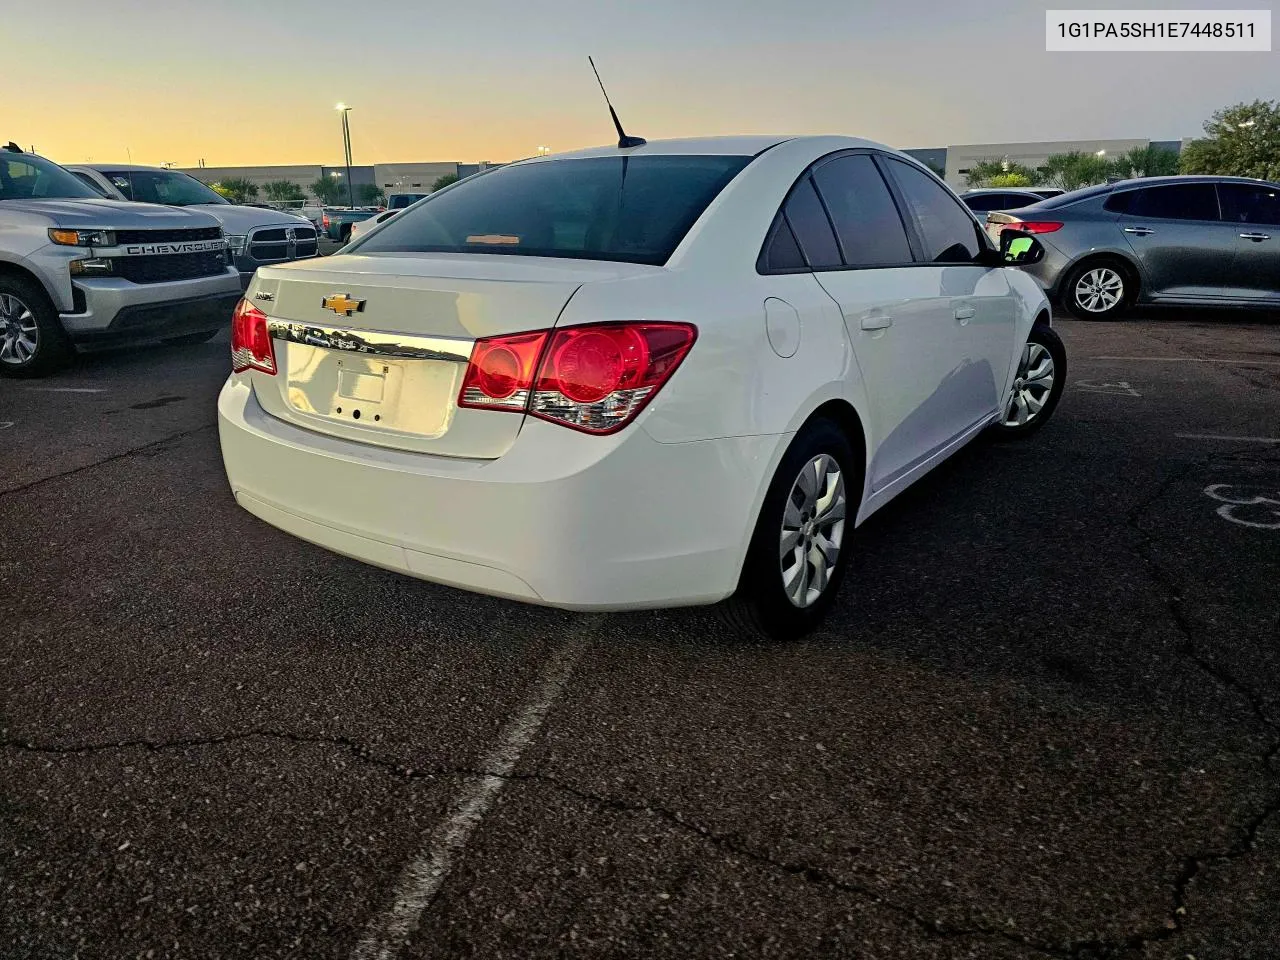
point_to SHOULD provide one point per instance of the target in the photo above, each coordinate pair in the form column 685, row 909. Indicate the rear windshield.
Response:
column 632, row 209
column 1062, row 199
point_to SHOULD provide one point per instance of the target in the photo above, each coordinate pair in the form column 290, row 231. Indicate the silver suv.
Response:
column 255, row 235
column 1212, row 241
column 77, row 270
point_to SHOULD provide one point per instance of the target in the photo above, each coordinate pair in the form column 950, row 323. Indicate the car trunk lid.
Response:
column 374, row 349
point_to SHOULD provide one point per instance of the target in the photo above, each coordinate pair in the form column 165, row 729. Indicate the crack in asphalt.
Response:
column 125, row 454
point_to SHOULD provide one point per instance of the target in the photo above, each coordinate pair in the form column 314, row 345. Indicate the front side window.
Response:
column 1181, row 201
column 863, row 212
column 27, row 177
column 948, row 233
column 161, row 186
column 1250, row 203
column 630, row 209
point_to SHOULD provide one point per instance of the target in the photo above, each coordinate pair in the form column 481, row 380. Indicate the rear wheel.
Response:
column 1099, row 289
column 1037, row 386
column 32, row 341
column 800, row 549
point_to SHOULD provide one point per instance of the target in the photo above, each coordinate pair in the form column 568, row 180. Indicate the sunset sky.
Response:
column 238, row 82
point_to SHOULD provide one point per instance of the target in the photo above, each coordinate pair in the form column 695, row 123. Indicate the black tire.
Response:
column 345, row 234
column 188, row 338
column 1105, row 269
column 23, row 301
column 761, row 606
column 1047, row 338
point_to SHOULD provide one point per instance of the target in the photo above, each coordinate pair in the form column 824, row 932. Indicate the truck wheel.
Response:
column 32, row 341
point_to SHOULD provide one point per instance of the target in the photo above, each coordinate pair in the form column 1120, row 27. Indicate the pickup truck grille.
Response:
column 164, row 268
column 168, row 236
column 272, row 244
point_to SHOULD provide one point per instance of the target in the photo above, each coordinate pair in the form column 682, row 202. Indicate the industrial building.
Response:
column 420, row 175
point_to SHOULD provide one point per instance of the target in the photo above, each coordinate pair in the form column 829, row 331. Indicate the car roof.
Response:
column 1183, row 178
column 738, row 146
column 1028, row 190
column 100, row 167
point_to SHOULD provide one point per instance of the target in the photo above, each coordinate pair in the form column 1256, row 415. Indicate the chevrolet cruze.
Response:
column 675, row 373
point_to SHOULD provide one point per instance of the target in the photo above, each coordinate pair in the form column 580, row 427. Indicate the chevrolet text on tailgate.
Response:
column 77, row 270
column 637, row 376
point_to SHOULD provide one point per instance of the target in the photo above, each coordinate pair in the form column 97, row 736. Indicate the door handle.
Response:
column 1139, row 231
column 876, row 322
column 965, row 314
column 1255, row 237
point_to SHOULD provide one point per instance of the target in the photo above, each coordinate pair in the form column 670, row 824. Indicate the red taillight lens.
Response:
column 594, row 378
column 1032, row 226
column 501, row 372
column 324, row 219
column 598, row 378
column 250, row 341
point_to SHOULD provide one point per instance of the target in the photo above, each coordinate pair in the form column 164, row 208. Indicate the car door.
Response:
column 1253, row 212
column 975, row 307
column 1178, row 236
column 903, row 341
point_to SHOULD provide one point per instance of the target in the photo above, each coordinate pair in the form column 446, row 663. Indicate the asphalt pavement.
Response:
column 1042, row 722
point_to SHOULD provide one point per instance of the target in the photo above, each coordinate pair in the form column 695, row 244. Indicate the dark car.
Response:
column 1186, row 240
column 983, row 201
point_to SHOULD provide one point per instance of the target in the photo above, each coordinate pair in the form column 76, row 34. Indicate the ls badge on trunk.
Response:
column 342, row 303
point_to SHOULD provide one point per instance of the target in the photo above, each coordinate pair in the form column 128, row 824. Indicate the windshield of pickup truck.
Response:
column 629, row 209
column 27, row 177
column 161, row 186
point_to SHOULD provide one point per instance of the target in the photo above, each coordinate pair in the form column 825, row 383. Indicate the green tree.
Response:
column 1241, row 141
column 239, row 190
column 220, row 190
column 442, row 182
column 330, row 190
column 371, row 195
column 1145, row 161
column 280, row 190
column 984, row 172
column 1010, row 180
column 1074, row 170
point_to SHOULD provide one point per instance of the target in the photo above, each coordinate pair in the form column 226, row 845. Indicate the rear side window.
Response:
column 631, row 209
column 1250, row 203
column 947, row 230
column 867, row 223
column 782, row 253
column 1182, row 201
column 812, row 229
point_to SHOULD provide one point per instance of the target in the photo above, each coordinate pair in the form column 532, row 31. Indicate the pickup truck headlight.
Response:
column 82, row 238
column 235, row 243
column 95, row 267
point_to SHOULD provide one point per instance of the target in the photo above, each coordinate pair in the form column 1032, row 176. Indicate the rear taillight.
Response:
column 250, row 340
column 500, row 373
column 324, row 219
column 1032, row 226
column 593, row 378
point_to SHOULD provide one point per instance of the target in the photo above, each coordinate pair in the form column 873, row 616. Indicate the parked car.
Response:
column 1186, row 240
column 637, row 378
column 395, row 203
column 78, row 270
column 984, row 200
column 256, row 233
column 336, row 222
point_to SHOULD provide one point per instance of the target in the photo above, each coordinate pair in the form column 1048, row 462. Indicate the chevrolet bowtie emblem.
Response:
column 343, row 304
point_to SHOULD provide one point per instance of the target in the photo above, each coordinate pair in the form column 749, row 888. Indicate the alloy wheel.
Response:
column 19, row 334
column 1031, row 386
column 1099, row 290
column 812, row 530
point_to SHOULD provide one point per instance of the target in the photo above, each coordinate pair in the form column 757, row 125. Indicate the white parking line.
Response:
column 6, row 424
column 1226, row 438
column 423, row 876
column 67, row 389
column 1238, row 363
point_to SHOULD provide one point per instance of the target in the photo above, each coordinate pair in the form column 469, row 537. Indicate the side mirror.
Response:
column 1018, row 249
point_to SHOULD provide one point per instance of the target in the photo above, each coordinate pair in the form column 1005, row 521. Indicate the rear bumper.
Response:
column 118, row 311
column 562, row 519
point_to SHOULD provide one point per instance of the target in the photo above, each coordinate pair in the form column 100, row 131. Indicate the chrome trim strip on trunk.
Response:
column 373, row 342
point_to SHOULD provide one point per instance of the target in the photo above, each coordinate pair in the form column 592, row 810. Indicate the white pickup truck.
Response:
column 78, row 270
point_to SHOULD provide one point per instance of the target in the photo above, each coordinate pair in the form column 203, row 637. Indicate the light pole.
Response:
column 346, row 148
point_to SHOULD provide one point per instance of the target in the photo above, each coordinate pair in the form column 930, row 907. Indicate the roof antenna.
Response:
column 623, row 140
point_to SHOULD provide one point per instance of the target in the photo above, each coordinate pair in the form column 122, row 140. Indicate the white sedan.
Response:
column 676, row 373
